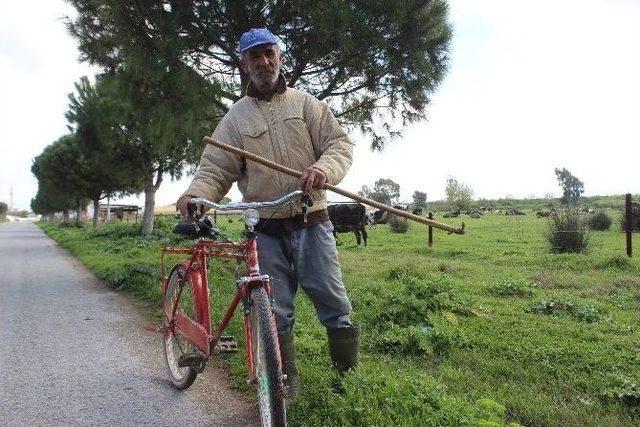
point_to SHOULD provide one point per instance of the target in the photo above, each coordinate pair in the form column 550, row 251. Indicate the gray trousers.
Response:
column 307, row 257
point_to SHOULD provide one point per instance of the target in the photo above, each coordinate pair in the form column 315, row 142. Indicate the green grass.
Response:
column 488, row 328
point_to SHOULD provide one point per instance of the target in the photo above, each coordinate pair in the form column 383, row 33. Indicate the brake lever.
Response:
column 305, row 202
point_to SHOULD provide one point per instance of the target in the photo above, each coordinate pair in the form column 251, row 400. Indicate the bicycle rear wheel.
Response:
column 268, row 369
column 175, row 346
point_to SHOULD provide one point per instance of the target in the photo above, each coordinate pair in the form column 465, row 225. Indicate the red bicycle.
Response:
column 188, row 337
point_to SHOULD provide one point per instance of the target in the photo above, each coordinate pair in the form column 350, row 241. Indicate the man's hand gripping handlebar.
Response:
column 195, row 207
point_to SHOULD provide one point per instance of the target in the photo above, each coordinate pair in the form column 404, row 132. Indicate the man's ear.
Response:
column 243, row 65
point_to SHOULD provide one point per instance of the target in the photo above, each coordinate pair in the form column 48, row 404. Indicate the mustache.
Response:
column 266, row 69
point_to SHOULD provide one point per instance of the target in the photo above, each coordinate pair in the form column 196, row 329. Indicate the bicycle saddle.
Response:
column 201, row 228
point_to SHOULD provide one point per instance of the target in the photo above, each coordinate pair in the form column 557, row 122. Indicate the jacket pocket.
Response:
column 259, row 179
column 254, row 131
column 255, row 138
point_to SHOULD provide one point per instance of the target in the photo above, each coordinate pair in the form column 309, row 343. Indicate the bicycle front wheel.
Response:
column 179, row 292
column 268, row 369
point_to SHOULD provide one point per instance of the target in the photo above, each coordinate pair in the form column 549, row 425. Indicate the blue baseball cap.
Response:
column 255, row 37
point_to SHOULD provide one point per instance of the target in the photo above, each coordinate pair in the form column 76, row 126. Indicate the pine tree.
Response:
column 62, row 178
column 375, row 63
column 368, row 59
column 111, row 168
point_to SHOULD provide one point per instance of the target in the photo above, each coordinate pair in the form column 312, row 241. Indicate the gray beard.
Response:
column 265, row 85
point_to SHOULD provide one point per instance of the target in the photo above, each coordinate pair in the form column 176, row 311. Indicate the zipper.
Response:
column 280, row 143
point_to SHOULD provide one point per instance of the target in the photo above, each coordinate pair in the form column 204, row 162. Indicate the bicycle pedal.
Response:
column 191, row 360
column 227, row 344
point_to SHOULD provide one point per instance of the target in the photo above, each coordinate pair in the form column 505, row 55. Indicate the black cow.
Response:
column 348, row 217
column 376, row 217
column 453, row 214
column 417, row 211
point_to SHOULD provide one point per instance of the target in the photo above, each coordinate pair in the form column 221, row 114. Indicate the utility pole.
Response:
column 10, row 198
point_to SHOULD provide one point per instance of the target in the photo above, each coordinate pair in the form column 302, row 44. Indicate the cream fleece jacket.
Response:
column 294, row 129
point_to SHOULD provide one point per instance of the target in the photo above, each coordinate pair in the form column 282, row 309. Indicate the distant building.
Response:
column 122, row 212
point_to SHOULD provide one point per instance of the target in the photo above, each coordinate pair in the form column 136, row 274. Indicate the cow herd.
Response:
column 354, row 217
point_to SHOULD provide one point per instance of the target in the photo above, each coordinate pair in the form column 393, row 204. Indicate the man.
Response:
column 295, row 129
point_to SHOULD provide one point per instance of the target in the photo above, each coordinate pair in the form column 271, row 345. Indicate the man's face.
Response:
column 262, row 64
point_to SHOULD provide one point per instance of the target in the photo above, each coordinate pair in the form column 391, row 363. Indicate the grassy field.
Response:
column 482, row 329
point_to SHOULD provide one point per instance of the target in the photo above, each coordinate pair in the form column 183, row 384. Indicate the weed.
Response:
column 563, row 308
column 619, row 262
column 412, row 315
column 624, row 391
column 512, row 288
column 545, row 280
column 613, row 287
column 445, row 268
column 116, row 230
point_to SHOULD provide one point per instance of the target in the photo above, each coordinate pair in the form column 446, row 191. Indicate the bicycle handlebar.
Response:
column 287, row 198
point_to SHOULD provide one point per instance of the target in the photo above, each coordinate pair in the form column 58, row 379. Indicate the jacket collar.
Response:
column 255, row 93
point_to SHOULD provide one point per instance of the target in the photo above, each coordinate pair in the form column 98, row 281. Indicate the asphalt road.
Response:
column 73, row 352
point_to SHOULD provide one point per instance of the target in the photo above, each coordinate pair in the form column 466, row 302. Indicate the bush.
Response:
column 567, row 232
column 398, row 224
column 599, row 221
column 635, row 218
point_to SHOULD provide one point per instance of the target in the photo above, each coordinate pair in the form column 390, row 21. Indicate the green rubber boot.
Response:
column 343, row 347
column 288, row 355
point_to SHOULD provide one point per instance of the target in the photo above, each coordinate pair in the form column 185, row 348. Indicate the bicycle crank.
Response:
column 192, row 360
column 226, row 344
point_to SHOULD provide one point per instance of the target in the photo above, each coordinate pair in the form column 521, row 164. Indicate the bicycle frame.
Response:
column 198, row 331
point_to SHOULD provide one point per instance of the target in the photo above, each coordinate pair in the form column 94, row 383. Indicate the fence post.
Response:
column 629, row 224
column 430, row 230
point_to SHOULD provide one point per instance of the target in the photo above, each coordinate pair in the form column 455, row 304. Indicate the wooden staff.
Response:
column 361, row 199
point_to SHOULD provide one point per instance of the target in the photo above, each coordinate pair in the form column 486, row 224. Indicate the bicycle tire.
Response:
column 269, row 384
column 174, row 345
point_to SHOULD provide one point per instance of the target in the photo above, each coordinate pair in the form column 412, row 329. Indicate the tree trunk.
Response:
column 149, row 205
column 78, row 212
column 96, row 211
column 150, row 200
column 65, row 216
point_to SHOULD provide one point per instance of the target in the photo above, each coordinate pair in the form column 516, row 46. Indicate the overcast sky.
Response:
column 533, row 85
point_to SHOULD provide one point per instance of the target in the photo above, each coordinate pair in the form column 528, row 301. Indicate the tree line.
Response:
column 169, row 73
column 460, row 195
